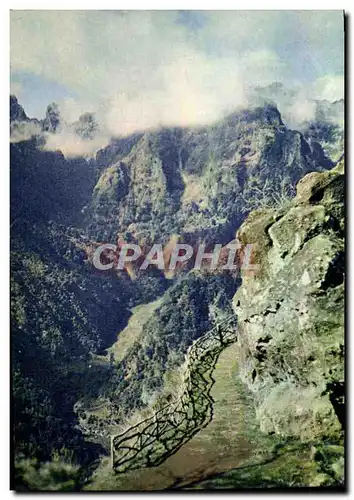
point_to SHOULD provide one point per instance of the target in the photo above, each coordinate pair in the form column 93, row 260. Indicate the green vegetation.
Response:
column 133, row 332
column 72, row 371
column 31, row 475
column 184, row 314
column 62, row 312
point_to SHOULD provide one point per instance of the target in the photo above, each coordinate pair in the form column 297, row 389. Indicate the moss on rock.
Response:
column 291, row 313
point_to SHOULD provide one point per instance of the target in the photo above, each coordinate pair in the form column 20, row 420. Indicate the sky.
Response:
column 144, row 69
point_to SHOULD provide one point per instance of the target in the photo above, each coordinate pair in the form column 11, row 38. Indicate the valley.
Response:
column 97, row 354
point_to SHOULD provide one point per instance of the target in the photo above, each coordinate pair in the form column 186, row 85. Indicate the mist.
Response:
column 140, row 70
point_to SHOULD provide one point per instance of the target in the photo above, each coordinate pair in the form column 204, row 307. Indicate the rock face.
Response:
column 291, row 310
column 324, row 127
column 17, row 113
column 198, row 180
column 86, row 126
column 51, row 122
column 145, row 186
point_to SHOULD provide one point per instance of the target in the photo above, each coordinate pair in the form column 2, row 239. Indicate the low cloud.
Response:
column 329, row 87
column 191, row 91
column 139, row 70
column 24, row 131
column 299, row 113
column 71, row 145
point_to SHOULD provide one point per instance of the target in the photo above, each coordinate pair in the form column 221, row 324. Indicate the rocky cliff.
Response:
column 198, row 182
column 291, row 311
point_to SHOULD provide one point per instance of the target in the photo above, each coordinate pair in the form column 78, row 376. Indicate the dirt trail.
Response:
column 151, row 441
column 220, row 446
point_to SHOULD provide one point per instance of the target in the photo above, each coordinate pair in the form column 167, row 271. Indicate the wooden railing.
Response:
column 153, row 440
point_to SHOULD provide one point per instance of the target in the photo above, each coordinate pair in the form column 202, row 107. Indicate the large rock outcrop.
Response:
column 290, row 311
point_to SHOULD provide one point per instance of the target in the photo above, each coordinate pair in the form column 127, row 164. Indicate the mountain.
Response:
column 321, row 121
column 198, row 182
column 17, row 113
column 283, row 425
column 192, row 185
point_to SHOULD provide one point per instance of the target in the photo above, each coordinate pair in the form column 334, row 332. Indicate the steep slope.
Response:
column 139, row 192
column 196, row 183
column 291, row 312
column 46, row 186
column 321, row 121
column 199, row 183
column 289, row 355
column 60, row 314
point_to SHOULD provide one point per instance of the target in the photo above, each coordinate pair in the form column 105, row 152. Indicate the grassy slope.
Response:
column 132, row 332
column 125, row 341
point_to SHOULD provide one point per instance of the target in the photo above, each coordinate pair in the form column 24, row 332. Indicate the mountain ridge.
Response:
column 194, row 185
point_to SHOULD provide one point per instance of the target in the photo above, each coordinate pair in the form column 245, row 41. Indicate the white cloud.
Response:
column 71, row 145
column 23, row 131
column 143, row 69
column 329, row 87
column 71, row 109
column 16, row 89
column 300, row 112
column 192, row 90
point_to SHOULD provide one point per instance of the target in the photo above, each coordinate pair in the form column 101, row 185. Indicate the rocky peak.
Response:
column 52, row 118
column 17, row 112
column 270, row 114
column 267, row 115
column 86, row 127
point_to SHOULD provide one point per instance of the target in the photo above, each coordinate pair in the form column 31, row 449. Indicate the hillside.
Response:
column 192, row 185
column 283, row 399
